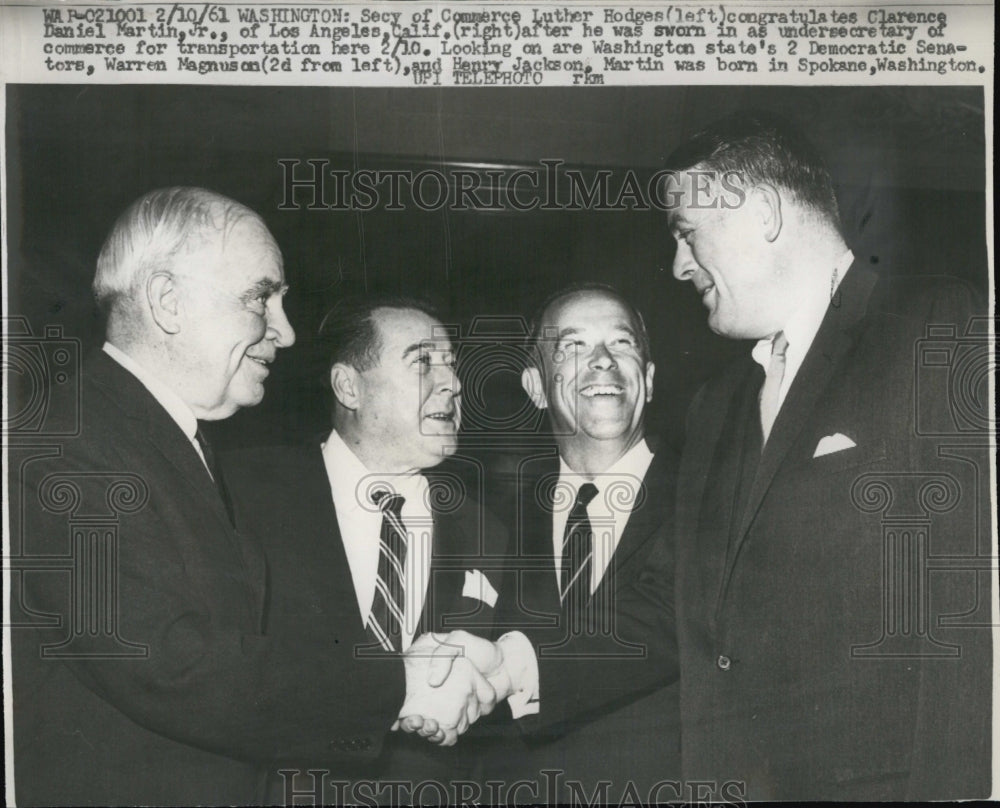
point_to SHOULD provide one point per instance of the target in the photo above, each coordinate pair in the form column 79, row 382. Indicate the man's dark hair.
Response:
column 533, row 353
column 348, row 333
column 759, row 146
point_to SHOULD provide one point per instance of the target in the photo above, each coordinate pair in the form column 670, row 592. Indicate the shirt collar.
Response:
column 352, row 482
column 174, row 405
column 634, row 463
column 802, row 326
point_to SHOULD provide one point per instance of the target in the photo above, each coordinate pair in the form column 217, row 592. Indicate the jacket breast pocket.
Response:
column 855, row 457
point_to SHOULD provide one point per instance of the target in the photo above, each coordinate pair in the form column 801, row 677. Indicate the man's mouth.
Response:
column 260, row 360
column 595, row 390
column 441, row 416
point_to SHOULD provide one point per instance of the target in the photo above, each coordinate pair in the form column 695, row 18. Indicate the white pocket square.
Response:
column 478, row 586
column 833, row 443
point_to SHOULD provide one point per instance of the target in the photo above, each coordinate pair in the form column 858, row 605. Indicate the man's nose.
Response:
column 450, row 381
column 443, row 379
column 279, row 328
column 684, row 263
column 601, row 358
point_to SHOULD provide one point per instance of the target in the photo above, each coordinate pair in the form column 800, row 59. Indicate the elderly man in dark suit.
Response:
column 604, row 493
column 150, row 679
column 322, row 514
column 824, row 479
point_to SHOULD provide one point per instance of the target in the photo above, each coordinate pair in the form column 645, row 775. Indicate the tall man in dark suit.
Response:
column 605, row 493
column 834, row 544
column 819, row 660
column 150, row 679
column 320, row 510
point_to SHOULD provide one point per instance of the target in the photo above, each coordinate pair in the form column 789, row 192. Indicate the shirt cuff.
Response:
column 522, row 667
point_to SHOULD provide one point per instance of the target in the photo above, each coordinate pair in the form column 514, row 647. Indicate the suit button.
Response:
column 723, row 662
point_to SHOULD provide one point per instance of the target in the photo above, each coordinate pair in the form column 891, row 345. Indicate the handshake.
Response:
column 452, row 680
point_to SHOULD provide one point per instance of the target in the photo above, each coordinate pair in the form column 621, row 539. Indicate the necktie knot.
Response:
column 779, row 345
column 214, row 471
column 771, row 390
column 388, row 502
column 586, row 494
column 205, row 446
column 577, row 551
column 389, row 604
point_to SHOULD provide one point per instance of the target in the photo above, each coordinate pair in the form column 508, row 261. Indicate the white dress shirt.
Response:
column 617, row 491
column 174, row 405
column 800, row 330
column 360, row 522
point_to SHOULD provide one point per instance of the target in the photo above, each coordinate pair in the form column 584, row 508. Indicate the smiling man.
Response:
column 587, row 516
column 149, row 679
column 363, row 542
column 593, row 376
column 806, row 672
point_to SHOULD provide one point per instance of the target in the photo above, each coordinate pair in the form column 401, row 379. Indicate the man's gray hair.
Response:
column 153, row 231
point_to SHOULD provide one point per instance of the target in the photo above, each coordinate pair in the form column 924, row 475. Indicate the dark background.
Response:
column 909, row 163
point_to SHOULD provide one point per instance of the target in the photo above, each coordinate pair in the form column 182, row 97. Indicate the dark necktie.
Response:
column 577, row 556
column 215, row 470
column 386, row 622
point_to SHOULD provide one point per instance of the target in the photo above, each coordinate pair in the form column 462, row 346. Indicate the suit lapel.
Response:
column 831, row 343
column 453, row 550
column 654, row 502
column 169, row 440
column 318, row 508
column 709, row 479
column 440, row 594
column 161, row 430
column 539, row 589
column 701, row 453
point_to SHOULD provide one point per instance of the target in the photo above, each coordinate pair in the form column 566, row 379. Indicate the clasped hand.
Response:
column 451, row 680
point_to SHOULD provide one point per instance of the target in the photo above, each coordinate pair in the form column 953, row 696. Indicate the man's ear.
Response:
column 346, row 384
column 650, row 371
column 164, row 302
column 768, row 202
column 531, row 381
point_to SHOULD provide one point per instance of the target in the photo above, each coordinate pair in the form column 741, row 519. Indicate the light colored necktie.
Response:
column 772, row 384
column 386, row 622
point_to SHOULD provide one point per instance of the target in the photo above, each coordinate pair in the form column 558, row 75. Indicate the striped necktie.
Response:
column 577, row 554
column 386, row 623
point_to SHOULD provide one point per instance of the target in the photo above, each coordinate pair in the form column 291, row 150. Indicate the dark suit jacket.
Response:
column 283, row 495
column 634, row 738
column 817, row 661
column 154, row 682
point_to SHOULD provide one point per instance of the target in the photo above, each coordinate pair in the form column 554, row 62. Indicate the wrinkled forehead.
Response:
column 237, row 246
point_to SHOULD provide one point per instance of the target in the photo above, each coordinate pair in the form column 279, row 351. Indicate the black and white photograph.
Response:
column 498, row 445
